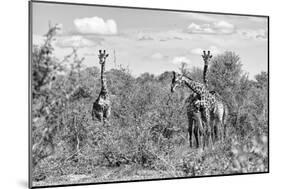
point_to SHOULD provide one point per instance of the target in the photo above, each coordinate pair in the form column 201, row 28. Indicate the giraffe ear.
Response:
column 211, row 56
column 106, row 55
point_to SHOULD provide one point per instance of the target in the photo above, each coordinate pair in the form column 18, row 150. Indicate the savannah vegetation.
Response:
column 146, row 136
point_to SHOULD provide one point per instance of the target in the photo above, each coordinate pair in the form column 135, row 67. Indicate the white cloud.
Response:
column 75, row 41
column 144, row 37
column 223, row 27
column 180, row 59
column 199, row 51
column 223, row 24
column 220, row 27
column 171, row 35
column 157, row 56
column 194, row 26
column 159, row 35
column 95, row 25
column 260, row 34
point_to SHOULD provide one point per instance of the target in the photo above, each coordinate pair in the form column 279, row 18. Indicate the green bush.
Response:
column 148, row 124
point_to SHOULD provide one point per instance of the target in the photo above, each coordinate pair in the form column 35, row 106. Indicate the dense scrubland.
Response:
column 146, row 136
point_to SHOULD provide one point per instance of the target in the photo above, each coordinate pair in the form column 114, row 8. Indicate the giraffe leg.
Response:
column 221, row 132
column 205, row 137
column 217, row 130
column 224, row 132
column 202, row 135
column 198, row 127
column 224, row 129
column 98, row 116
column 196, row 132
column 212, row 129
column 190, row 128
column 219, row 124
column 97, row 111
column 206, row 129
column 224, row 121
column 106, row 114
column 209, row 129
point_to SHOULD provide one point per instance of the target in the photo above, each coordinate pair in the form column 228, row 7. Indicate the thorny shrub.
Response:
column 148, row 124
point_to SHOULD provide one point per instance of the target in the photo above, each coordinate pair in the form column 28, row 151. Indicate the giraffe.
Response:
column 217, row 115
column 206, row 103
column 220, row 112
column 195, row 124
column 101, row 107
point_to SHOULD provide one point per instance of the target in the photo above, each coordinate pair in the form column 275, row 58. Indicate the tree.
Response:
column 225, row 73
column 262, row 80
column 227, row 78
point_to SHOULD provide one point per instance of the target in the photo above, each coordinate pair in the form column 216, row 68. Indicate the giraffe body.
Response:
column 101, row 108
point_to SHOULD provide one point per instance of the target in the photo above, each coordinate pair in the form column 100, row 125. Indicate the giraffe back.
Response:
column 207, row 98
column 210, row 100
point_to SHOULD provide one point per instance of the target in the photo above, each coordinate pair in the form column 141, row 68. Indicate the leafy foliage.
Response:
column 146, row 136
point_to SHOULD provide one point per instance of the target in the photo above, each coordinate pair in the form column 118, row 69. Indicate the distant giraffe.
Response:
column 207, row 101
column 101, row 107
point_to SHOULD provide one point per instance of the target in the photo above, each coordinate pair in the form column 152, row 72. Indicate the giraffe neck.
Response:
column 103, row 79
column 206, row 64
column 196, row 87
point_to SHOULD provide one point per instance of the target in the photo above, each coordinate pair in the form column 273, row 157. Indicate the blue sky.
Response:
column 151, row 40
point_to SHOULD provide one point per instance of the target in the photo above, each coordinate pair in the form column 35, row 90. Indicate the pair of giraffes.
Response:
column 206, row 112
column 204, row 105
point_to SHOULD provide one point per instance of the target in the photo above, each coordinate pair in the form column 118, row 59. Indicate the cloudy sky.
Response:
column 151, row 40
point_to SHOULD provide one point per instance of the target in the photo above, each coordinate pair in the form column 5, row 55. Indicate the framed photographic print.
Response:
column 122, row 94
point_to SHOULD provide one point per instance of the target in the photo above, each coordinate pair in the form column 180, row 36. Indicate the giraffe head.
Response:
column 206, row 57
column 102, row 56
column 195, row 86
column 177, row 81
